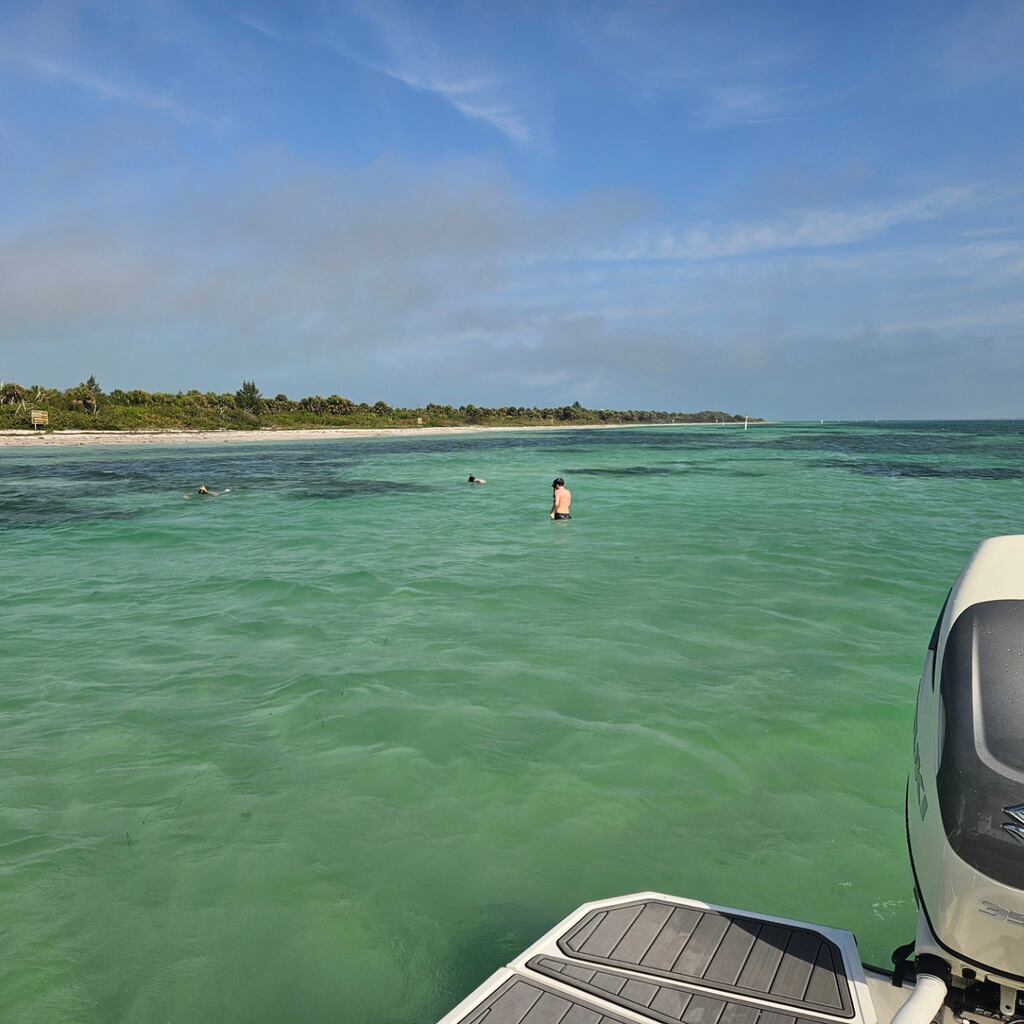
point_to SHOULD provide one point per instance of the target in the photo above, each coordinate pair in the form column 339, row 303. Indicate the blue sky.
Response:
column 788, row 209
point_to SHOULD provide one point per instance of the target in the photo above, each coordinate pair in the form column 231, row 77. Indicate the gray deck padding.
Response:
column 525, row 1002
column 795, row 966
column 665, row 1003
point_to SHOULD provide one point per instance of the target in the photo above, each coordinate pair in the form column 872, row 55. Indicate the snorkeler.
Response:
column 475, row 480
column 561, row 499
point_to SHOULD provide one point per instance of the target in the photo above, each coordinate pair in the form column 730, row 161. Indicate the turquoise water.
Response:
column 337, row 744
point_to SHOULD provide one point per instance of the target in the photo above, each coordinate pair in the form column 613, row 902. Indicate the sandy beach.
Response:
column 103, row 438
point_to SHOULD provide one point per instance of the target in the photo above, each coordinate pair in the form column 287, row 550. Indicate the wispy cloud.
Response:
column 50, row 70
column 414, row 57
column 984, row 43
column 748, row 104
column 803, row 229
column 258, row 25
column 477, row 98
column 1006, row 314
column 739, row 74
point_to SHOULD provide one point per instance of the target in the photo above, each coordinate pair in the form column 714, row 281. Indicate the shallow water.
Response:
column 335, row 745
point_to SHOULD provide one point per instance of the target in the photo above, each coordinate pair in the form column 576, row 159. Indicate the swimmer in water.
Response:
column 475, row 480
column 561, row 499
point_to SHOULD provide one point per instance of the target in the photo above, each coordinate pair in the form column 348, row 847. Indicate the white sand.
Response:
column 98, row 438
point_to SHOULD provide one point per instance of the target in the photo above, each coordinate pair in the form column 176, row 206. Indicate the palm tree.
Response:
column 248, row 397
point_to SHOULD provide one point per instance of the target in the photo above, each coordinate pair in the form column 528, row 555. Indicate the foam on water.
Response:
column 339, row 743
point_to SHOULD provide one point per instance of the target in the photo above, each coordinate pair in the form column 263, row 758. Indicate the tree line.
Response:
column 88, row 407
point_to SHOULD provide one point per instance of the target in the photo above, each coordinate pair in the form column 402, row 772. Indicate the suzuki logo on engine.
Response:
column 1016, row 830
column 1001, row 913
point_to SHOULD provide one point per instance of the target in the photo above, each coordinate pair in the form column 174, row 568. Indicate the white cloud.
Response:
column 744, row 104
column 1001, row 315
column 49, row 70
column 476, row 98
column 258, row 25
column 984, row 43
column 413, row 56
column 802, row 229
column 735, row 71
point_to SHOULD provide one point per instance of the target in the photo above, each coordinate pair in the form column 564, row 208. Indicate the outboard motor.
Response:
column 965, row 797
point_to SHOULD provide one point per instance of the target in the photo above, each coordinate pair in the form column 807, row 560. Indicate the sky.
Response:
column 791, row 210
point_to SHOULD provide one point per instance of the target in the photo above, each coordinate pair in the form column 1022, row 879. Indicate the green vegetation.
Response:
column 87, row 407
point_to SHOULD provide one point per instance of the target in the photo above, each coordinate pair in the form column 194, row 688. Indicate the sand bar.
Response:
column 101, row 438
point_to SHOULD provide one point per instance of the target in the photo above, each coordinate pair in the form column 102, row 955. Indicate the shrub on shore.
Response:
column 87, row 407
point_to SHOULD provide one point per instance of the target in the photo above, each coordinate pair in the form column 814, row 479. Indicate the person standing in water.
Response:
column 561, row 499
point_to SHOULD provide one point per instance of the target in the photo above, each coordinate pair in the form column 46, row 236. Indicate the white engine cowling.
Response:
column 965, row 799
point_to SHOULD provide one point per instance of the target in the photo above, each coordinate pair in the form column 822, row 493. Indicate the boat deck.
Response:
column 652, row 957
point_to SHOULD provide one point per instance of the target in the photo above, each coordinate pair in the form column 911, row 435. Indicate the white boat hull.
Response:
column 652, row 957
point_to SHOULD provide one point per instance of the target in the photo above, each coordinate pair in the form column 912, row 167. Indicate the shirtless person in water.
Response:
column 561, row 499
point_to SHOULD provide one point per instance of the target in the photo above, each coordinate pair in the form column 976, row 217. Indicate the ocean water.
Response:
column 337, row 744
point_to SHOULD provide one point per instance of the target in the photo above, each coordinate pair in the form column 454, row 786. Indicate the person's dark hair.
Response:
column 471, row 478
column 558, row 482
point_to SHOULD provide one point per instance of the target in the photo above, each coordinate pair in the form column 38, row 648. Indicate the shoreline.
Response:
column 110, row 438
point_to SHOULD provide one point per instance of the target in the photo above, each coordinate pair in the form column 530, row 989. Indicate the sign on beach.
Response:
column 40, row 418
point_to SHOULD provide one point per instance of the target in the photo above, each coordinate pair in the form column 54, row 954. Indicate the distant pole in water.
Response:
column 746, row 420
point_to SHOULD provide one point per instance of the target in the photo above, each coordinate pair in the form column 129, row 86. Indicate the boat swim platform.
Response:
column 650, row 957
